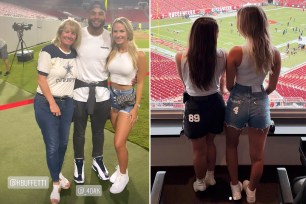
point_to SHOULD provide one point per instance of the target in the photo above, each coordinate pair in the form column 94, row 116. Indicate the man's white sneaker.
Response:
column 99, row 167
column 78, row 175
column 120, row 183
column 251, row 195
column 236, row 190
column 199, row 185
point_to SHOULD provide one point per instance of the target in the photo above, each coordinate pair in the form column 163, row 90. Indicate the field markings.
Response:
column 173, row 24
column 170, row 39
column 220, row 16
column 228, row 43
column 164, row 51
column 144, row 49
column 284, row 44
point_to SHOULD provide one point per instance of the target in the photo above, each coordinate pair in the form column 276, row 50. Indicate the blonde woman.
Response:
column 124, row 63
column 248, row 104
column 53, row 103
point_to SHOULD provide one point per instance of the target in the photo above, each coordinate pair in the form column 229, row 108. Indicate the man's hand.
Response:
column 134, row 81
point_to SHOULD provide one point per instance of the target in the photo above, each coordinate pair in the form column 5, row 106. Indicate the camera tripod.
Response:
column 22, row 43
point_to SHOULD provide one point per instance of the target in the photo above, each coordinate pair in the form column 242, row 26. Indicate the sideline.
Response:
column 16, row 104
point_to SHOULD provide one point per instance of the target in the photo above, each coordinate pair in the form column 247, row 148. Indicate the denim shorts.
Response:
column 248, row 106
column 204, row 114
column 114, row 105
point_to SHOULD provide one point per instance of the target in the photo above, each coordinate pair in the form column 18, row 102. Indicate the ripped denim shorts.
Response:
column 249, row 106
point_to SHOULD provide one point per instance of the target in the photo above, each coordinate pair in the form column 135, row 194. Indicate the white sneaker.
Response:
column 209, row 178
column 199, row 185
column 115, row 174
column 251, row 195
column 99, row 167
column 120, row 183
column 236, row 190
column 78, row 175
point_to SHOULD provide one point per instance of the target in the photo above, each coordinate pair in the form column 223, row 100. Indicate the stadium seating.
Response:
column 11, row 10
column 134, row 15
column 32, row 9
column 165, row 82
column 293, row 83
column 163, row 8
column 292, row 2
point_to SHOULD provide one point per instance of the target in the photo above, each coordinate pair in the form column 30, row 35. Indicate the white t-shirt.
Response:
column 246, row 72
column 59, row 68
column 121, row 69
column 91, row 60
column 192, row 89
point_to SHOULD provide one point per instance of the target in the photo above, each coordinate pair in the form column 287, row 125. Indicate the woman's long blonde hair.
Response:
column 132, row 48
column 253, row 24
column 75, row 26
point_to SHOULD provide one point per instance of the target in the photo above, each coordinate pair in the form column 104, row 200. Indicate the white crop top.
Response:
column 246, row 72
column 192, row 89
column 121, row 69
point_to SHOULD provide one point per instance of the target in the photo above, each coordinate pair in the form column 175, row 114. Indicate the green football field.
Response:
column 175, row 32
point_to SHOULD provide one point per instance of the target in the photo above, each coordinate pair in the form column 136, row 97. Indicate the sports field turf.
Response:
column 23, row 154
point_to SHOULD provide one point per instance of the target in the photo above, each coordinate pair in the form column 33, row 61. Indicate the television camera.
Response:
column 23, row 55
column 21, row 26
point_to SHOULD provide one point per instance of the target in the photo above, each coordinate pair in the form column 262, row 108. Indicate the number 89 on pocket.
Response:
column 194, row 118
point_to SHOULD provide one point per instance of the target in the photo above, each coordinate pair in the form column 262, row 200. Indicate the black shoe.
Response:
column 99, row 167
column 79, row 171
column 6, row 73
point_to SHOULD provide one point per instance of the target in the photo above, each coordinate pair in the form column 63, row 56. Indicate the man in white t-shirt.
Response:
column 91, row 95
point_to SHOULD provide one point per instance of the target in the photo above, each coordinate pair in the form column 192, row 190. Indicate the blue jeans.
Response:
column 55, row 131
column 248, row 105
